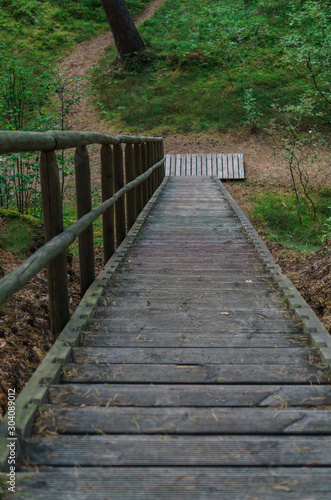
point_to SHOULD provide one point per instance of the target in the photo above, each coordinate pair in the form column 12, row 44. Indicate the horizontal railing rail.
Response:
column 129, row 177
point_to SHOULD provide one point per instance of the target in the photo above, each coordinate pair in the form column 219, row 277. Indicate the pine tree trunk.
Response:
column 127, row 38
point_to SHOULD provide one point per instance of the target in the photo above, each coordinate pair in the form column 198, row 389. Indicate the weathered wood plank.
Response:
column 191, row 395
column 235, row 165
column 181, row 450
column 199, row 373
column 194, row 164
column 185, row 483
column 102, row 338
column 187, row 355
column 208, row 165
column 225, row 167
column 241, row 167
column 189, row 420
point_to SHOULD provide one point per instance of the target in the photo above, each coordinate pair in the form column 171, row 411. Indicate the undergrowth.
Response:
column 213, row 66
column 276, row 213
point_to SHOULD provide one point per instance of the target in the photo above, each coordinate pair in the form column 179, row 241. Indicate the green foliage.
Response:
column 277, row 211
column 217, row 65
column 299, row 150
column 20, row 233
column 327, row 228
column 41, row 30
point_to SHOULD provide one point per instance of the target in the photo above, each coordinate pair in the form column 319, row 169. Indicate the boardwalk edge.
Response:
column 48, row 372
column 319, row 335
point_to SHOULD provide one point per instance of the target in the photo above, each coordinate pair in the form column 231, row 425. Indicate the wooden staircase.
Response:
column 192, row 379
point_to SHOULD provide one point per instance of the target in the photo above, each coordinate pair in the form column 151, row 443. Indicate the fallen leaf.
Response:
column 3, row 343
column 224, row 313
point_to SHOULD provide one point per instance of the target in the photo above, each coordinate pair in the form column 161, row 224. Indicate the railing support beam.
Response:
column 53, row 225
column 107, row 183
column 84, row 206
column 119, row 205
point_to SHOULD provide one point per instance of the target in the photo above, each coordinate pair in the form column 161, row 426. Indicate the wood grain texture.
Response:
column 192, row 378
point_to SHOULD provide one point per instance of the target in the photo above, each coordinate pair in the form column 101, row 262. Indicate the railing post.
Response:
column 156, row 159
column 130, row 197
column 118, row 184
column 144, row 167
column 84, row 205
column 159, row 157
column 139, row 171
column 53, row 224
column 149, row 164
column 107, row 188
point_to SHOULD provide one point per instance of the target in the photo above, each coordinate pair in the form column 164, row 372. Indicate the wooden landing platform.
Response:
column 222, row 166
column 192, row 380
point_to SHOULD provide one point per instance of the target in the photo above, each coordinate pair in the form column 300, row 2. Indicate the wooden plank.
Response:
column 203, row 164
column 241, row 166
column 225, row 169
column 178, row 164
column 188, row 355
column 191, row 395
column 230, row 166
column 194, row 165
column 209, row 165
column 189, row 163
column 214, row 165
column 183, row 483
column 102, row 338
column 198, row 373
column 167, row 164
column 171, row 302
column 173, row 164
column 189, row 420
column 199, row 164
column 235, row 166
column 187, row 323
column 186, row 451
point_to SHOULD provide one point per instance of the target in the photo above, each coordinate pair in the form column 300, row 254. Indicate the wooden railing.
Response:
column 136, row 171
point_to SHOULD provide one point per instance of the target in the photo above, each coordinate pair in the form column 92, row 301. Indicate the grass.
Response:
column 205, row 58
column 44, row 30
column 20, row 233
column 276, row 212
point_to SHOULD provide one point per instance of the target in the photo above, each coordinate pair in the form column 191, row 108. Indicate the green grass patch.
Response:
column 276, row 213
column 205, row 56
column 20, row 234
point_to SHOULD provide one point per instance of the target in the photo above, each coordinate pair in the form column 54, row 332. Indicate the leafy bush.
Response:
column 278, row 212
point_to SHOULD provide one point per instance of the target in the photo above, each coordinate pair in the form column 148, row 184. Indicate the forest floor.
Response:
column 24, row 334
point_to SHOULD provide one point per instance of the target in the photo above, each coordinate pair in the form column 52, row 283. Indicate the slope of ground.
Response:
column 24, row 334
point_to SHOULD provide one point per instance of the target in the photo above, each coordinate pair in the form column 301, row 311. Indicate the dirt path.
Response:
column 80, row 63
column 261, row 158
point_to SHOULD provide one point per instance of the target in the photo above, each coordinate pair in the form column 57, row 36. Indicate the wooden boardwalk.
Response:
column 222, row 166
column 192, row 380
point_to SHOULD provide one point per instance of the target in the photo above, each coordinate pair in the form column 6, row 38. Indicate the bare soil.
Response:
column 24, row 331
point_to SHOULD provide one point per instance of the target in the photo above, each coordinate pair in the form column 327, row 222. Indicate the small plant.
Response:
column 68, row 97
column 298, row 149
column 327, row 231
column 252, row 112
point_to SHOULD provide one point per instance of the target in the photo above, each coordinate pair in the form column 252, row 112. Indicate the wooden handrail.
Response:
column 54, row 140
column 144, row 169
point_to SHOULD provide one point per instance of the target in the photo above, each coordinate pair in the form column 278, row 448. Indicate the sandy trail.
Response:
column 80, row 63
column 262, row 159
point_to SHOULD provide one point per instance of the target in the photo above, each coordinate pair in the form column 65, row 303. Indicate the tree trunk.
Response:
column 127, row 38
